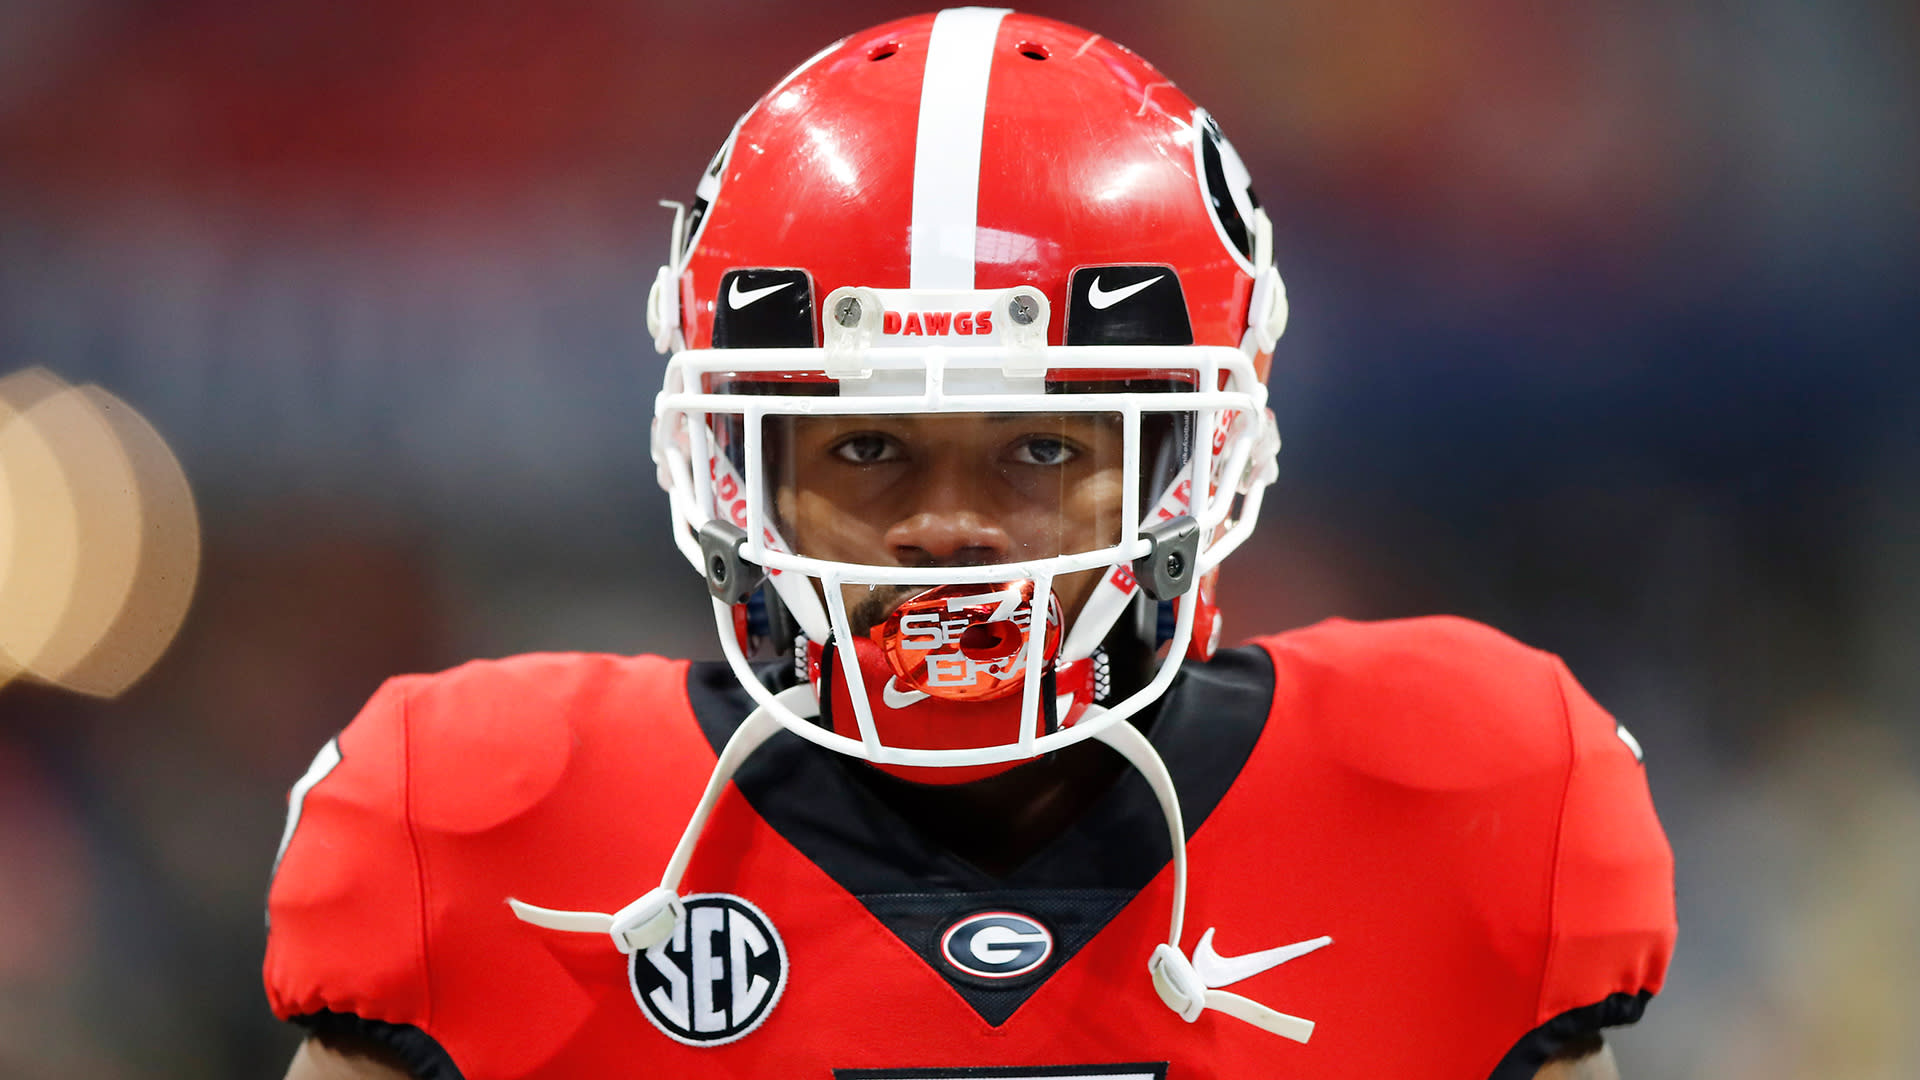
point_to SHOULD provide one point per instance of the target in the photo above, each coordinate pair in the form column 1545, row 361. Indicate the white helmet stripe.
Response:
column 946, row 153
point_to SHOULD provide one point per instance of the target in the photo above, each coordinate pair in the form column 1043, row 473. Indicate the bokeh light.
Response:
column 99, row 540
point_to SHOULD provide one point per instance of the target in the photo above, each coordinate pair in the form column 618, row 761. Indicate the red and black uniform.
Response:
column 1471, row 830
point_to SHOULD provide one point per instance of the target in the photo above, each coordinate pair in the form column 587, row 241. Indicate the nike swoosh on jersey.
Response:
column 1218, row 971
column 738, row 298
column 1101, row 299
column 900, row 699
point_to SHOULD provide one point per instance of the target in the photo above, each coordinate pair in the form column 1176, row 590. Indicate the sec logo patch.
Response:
column 717, row 977
column 996, row 944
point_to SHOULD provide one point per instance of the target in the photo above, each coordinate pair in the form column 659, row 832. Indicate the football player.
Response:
column 968, row 327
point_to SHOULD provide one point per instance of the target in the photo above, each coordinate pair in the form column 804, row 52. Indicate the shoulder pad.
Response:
column 383, row 827
column 493, row 739
column 1451, row 723
column 1436, row 703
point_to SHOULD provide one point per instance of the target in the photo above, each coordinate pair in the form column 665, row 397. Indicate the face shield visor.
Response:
column 955, row 530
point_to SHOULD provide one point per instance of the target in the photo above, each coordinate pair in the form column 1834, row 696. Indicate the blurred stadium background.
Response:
column 1604, row 333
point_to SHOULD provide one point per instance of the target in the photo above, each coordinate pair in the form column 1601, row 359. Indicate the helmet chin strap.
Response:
column 650, row 920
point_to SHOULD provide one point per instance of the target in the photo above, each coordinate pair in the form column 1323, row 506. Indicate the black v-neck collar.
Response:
column 1206, row 727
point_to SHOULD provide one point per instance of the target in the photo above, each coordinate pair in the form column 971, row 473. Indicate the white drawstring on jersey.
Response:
column 1174, row 979
column 650, row 920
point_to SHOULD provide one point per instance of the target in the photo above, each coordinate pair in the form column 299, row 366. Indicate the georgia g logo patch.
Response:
column 996, row 945
column 717, row 977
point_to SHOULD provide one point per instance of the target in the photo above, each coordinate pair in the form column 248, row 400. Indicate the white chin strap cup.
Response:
column 1176, row 982
column 1267, row 313
column 647, row 921
column 663, row 310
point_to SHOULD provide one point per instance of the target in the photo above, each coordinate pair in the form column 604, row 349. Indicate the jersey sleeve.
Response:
column 1611, row 922
column 345, row 913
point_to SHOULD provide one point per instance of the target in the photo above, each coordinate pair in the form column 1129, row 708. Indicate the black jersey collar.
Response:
column 1205, row 730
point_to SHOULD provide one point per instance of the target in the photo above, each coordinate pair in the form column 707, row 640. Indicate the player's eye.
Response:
column 1043, row 450
column 866, row 448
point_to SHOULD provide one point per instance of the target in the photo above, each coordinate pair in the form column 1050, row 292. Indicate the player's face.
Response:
column 950, row 490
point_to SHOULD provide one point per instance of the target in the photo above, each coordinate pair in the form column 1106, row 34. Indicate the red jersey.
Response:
column 1469, row 829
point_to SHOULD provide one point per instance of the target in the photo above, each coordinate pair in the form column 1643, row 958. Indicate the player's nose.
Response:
column 948, row 537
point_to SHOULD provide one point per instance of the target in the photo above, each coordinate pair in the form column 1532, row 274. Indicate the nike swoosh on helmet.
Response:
column 738, row 298
column 1101, row 299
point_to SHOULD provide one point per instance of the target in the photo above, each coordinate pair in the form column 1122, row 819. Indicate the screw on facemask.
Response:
column 847, row 311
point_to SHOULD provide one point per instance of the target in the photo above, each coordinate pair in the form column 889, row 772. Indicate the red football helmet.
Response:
column 969, row 323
